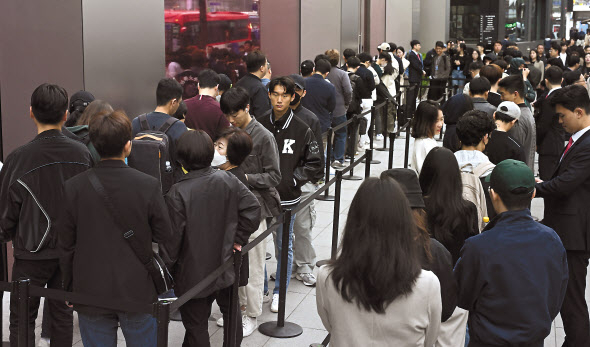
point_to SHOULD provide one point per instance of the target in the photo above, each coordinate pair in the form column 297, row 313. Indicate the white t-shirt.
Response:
column 422, row 147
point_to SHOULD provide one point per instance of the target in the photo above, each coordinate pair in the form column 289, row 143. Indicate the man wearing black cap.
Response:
column 512, row 277
column 303, row 251
column 566, row 195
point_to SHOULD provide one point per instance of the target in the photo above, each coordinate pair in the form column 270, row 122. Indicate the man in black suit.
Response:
column 416, row 71
column 566, row 211
column 549, row 132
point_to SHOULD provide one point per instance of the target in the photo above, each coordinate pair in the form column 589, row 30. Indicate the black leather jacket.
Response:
column 32, row 189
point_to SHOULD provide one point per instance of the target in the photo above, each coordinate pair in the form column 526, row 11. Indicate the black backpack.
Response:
column 150, row 152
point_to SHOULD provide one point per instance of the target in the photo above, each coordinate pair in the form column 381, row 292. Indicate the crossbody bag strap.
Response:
column 168, row 124
column 128, row 234
column 143, row 122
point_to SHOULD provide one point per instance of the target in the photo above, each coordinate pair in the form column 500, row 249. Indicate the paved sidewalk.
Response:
column 301, row 301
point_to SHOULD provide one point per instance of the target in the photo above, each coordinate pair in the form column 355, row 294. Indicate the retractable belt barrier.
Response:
column 23, row 290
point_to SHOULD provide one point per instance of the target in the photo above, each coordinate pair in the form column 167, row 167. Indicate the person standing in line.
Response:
column 89, row 232
column 427, row 123
column 341, row 83
column 453, row 110
column 501, row 146
column 479, row 89
column 460, row 65
column 524, row 131
column 566, row 196
column 303, row 251
column 441, row 70
column 512, row 277
column 494, row 74
column 416, row 72
column 256, row 64
column 300, row 161
column 321, row 97
column 202, row 242
column 203, row 111
column 395, row 302
column 262, row 172
column 550, row 134
column 366, row 62
column 31, row 190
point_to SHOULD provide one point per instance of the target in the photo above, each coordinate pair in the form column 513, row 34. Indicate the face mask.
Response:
column 218, row 98
column 296, row 100
column 218, row 159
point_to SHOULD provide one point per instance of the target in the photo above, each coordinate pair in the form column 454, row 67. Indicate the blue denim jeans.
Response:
column 339, row 139
column 100, row 329
column 459, row 83
column 278, row 248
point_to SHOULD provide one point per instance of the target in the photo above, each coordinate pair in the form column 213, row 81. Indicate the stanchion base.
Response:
column 381, row 149
column 352, row 178
column 273, row 330
column 326, row 198
column 322, row 262
column 373, row 162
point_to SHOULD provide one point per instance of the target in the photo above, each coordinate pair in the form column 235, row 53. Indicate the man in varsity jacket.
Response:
column 300, row 160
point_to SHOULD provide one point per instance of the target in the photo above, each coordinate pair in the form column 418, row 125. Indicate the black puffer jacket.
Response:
column 32, row 189
column 210, row 210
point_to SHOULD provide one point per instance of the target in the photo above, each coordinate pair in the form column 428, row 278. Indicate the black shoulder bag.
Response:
column 153, row 263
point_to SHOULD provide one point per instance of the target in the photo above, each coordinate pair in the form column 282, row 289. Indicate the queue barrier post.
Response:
column 371, row 132
column 280, row 328
column 162, row 320
column 234, row 303
column 327, row 196
column 384, row 115
column 391, row 143
column 22, row 288
column 335, row 220
column 351, row 150
column 369, row 156
column 407, row 154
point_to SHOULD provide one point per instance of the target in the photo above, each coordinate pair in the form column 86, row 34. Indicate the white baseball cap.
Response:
column 509, row 109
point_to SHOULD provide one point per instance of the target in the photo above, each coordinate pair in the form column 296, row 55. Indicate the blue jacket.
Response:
column 512, row 279
column 320, row 99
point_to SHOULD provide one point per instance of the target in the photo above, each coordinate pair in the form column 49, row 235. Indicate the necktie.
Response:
column 569, row 145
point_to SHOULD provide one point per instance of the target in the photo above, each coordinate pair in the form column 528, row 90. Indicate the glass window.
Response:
column 516, row 20
column 232, row 30
column 465, row 22
column 555, row 19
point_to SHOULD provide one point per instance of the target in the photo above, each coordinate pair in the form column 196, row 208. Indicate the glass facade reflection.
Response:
column 214, row 34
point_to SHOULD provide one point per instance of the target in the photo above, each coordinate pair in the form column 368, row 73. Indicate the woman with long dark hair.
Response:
column 459, row 62
column 451, row 219
column 376, row 290
column 427, row 122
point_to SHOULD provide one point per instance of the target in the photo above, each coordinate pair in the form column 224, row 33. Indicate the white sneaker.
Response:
column 379, row 137
column 266, row 298
column 249, row 324
column 44, row 342
column 308, row 279
column 274, row 306
column 220, row 322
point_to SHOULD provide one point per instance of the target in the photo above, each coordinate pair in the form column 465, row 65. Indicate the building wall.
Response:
column 377, row 25
column 124, row 71
column 312, row 13
column 280, row 35
column 434, row 22
column 398, row 24
column 47, row 47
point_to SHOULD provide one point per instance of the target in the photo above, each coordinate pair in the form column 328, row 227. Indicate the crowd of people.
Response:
column 449, row 252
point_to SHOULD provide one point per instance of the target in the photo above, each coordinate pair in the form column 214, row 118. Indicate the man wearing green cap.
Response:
column 513, row 276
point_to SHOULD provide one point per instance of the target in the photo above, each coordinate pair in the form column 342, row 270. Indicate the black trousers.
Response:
column 195, row 316
column 436, row 90
column 411, row 96
column 574, row 311
column 41, row 273
column 547, row 165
